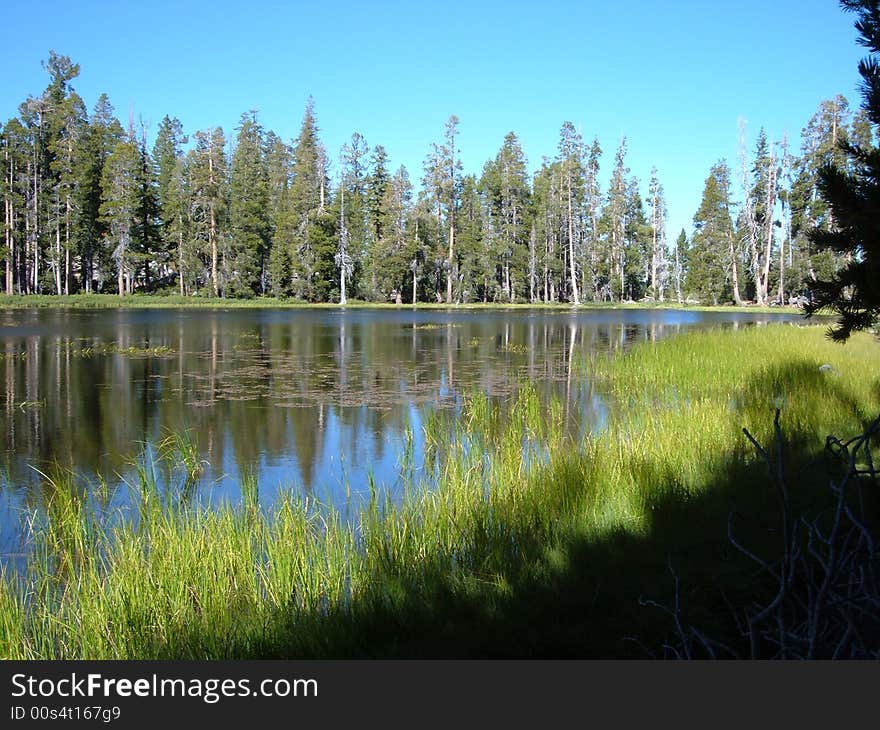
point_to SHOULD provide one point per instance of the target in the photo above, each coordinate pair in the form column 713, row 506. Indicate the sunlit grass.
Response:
column 238, row 580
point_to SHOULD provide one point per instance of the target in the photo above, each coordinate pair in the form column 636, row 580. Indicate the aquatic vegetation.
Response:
column 111, row 348
column 180, row 447
column 434, row 326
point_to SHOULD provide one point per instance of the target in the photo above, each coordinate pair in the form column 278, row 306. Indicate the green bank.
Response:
column 160, row 301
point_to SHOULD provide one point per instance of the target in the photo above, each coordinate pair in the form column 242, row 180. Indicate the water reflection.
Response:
column 315, row 399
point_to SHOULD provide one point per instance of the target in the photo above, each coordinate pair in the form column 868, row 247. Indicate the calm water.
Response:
column 317, row 400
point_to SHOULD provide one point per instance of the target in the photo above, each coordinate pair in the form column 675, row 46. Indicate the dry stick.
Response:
column 837, row 572
column 833, row 553
column 786, row 574
column 840, row 553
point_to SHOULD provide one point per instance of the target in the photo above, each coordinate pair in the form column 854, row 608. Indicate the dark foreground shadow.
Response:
column 585, row 597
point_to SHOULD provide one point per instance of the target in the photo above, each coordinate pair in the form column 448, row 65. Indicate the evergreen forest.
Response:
column 93, row 206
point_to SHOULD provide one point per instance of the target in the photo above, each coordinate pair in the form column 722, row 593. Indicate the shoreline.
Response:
column 152, row 301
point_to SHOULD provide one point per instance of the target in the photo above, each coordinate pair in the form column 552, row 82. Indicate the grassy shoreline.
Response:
column 506, row 558
column 153, row 301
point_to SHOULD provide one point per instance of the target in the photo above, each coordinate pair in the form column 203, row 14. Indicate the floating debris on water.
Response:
column 113, row 349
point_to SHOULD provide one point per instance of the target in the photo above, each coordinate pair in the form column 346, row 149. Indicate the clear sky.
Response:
column 674, row 77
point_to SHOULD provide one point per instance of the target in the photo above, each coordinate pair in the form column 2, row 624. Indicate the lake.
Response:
column 318, row 400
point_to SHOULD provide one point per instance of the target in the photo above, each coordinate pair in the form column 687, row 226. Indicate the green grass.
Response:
column 162, row 301
column 507, row 556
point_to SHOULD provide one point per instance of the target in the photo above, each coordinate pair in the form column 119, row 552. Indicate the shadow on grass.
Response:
column 578, row 595
column 579, row 598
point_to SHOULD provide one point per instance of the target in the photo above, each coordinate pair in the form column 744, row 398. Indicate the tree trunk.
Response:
column 768, row 246
column 449, row 272
column 737, row 298
column 9, row 227
column 574, row 287
column 25, row 281
column 36, row 225
column 415, row 282
column 212, row 229
column 180, row 254
column 748, row 210
column 781, row 290
column 532, row 264
column 67, row 211
column 120, row 277
column 342, row 252
column 57, row 261
column 654, row 250
column 677, row 273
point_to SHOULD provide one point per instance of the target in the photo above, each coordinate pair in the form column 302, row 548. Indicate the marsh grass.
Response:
column 180, row 447
column 516, row 551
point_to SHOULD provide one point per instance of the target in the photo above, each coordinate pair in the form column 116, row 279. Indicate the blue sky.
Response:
column 674, row 77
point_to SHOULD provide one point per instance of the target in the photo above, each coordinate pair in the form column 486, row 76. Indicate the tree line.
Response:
column 89, row 207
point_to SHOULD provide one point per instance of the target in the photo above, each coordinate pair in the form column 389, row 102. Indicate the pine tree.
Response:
column 32, row 113
column 441, row 187
column 785, row 195
column 659, row 271
column 853, row 197
column 15, row 155
column 506, row 185
column 421, row 232
column 48, row 118
column 167, row 158
column 615, row 213
column 121, row 200
column 177, row 212
column 451, row 181
column 469, row 230
column 399, row 243
column 571, row 161
column 709, row 259
column 590, row 250
column 355, row 222
column 148, row 239
column 249, row 213
column 301, row 251
column 680, row 264
column 809, row 209
column 548, row 206
column 70, row 123
column 761, row 193
column 432, row 231
column 377, row 186
column 208, row 182
column 104, row 132
column 637, row 243
column 279, row 163
column 396, row 255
